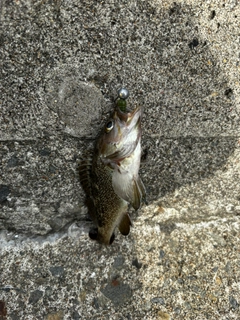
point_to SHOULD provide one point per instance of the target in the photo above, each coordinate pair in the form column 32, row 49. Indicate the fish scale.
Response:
column 108, row 204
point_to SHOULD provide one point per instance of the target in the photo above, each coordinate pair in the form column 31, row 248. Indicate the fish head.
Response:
column 120, row 135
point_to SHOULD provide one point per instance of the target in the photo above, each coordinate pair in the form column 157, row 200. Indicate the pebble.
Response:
column 4, row 192
column 55, row 316
column 35, row 296
column 117, row 292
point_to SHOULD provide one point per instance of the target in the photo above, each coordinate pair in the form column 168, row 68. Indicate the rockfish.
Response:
column 112, row 182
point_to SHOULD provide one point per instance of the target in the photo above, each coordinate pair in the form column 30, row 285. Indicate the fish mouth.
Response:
column 131, row 118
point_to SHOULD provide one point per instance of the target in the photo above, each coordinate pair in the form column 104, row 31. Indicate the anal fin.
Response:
column 125, row 224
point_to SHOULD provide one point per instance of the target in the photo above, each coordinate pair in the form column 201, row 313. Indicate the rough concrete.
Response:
column 61, row 65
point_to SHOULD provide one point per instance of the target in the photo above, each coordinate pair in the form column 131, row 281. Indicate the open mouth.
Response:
column 130, row 117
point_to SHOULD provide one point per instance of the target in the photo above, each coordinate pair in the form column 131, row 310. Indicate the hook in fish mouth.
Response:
column 123, row 93
column 128, row 115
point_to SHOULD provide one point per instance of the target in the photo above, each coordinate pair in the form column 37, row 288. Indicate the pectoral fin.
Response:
column 139, row 193
column 129, row 188
column 124, row 226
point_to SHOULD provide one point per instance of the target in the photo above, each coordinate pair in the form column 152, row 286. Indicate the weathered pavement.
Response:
column 61, row 64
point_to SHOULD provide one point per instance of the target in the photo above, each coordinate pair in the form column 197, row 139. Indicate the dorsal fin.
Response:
column 84, row 175
column 85, row 166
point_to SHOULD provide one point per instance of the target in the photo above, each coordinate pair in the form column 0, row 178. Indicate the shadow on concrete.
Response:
column 190, row 121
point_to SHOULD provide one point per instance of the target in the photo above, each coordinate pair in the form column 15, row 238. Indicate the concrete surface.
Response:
column 61, row 65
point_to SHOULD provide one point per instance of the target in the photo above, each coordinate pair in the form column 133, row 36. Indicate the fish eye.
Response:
column 109, row 126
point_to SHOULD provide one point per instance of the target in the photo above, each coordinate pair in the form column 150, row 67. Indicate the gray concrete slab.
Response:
column 61, row 65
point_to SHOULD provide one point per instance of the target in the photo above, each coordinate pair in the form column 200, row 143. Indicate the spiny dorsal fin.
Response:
column 84, row 175
column 85, row 166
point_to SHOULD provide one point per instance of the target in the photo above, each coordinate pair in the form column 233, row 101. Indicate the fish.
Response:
column 110, row 177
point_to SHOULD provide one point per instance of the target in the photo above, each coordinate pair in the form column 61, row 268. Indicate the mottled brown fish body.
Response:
column 109, row 207
column 113, row 175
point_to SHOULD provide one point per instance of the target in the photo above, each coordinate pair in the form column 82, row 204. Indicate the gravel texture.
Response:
column 61, row 64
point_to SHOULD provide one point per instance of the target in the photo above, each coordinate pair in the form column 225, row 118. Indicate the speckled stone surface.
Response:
column 61, row 64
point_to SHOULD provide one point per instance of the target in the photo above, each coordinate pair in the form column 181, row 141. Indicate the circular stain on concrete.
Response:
column 80, row 105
